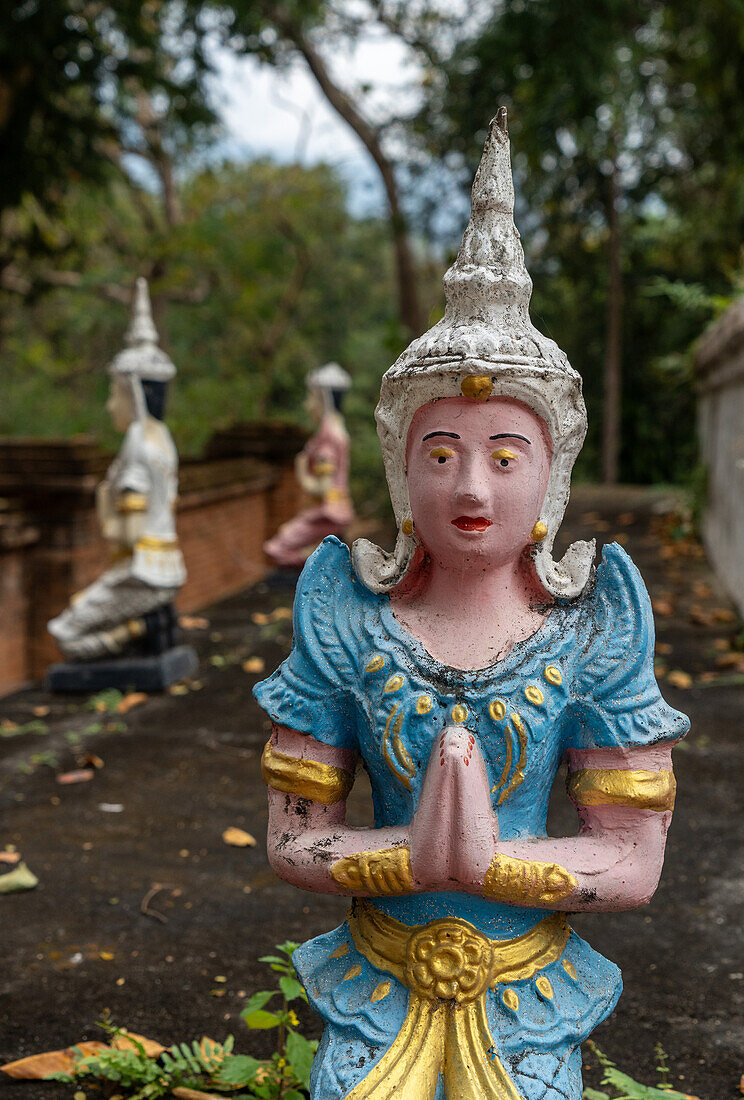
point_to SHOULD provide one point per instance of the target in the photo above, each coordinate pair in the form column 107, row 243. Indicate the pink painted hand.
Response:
column 454, row 831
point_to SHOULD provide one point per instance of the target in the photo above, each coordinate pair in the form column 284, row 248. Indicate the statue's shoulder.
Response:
column 618, row 586
column 616, row 620
column 616, row 667
column 328, row 578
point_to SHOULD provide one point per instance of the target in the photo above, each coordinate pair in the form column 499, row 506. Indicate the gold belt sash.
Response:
column 448, row 966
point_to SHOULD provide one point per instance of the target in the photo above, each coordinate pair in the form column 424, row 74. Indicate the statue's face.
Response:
column 314, row 404
column 477, row 476
column 120, row 404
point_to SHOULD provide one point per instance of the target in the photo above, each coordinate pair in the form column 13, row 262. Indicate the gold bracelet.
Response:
column 305, row 778
column 527, row 881
column 642, row 790
column 383, row 873
column 131, row 502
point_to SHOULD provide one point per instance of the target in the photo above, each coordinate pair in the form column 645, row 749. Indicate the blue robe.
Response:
column 584, row 680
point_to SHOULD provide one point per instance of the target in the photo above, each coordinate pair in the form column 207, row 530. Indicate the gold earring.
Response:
column 538, row 532
column 407, row 526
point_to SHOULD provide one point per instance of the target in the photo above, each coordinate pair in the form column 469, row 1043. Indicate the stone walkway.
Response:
column 183, row 768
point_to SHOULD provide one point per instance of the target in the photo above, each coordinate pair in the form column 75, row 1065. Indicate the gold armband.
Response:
column 382, row 874
column 305, row 778
column 527, row 881
column 323, row 468
column 642, row 790
column 131, row 502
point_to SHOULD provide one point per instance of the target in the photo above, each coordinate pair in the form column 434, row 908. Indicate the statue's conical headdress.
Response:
column 142, row 358
column 331, row 376
column 484, row 346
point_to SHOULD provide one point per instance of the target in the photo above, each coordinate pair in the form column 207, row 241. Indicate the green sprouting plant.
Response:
column 288, row 1072
column 105, row 702
column 625, row 1088
column 15, row 729
column 143, row 1077
column 208, row 1065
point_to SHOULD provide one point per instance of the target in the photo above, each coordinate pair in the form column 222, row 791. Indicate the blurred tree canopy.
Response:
column 265, row 276
column 627, row 127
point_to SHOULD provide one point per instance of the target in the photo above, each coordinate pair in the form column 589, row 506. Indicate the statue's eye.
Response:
column 441, row 454
column 505, row 457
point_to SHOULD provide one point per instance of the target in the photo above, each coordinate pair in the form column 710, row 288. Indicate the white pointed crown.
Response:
column 331, row 376
column 142, row 358
column 485, row 345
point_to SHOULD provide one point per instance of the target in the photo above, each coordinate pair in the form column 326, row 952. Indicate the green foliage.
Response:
column 208, row 1065
column 105, row 702
column 73, row 77
column 632, row 98
column 625, row 1088
column 265, row 277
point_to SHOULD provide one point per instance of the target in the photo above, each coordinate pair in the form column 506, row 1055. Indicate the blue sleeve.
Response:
column 617, row 701
column 313, row 690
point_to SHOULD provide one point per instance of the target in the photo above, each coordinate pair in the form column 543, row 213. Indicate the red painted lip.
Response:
column 472, row 523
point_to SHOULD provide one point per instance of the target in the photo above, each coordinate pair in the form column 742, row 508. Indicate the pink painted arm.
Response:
column 306, row 838
column 618, row 855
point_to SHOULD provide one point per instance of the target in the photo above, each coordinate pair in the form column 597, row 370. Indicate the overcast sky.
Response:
column 286, row 116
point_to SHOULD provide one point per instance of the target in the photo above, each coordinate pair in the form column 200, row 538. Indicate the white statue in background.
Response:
column 130, row 604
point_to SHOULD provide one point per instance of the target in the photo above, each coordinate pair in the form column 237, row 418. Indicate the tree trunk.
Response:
column 408, row 299
column 613, row 350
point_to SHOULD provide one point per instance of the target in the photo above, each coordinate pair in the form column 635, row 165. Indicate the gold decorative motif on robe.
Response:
column 448, row 966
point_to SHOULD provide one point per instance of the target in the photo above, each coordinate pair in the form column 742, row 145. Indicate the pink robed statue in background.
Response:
column 323, row 472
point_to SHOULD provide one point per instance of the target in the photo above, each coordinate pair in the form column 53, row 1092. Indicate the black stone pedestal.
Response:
column 134, row 673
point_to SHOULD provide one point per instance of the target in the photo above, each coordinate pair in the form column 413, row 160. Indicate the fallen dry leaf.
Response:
column 40, row 712
column 238, row 838
column 193, row 622
column 77, row 775
column 125, row 1041
column 259, row 618
column 183, row 1093
column 702, row 591
column 38, row 1066
column 730, row 660
column 626, row 519
column 700, row 616
column 662, row 606
column 664, row 648
column 133, row 699
column 178, row 689
column 724, row 615
column 9, row 857
column 254, row 664
column 679, row 679
column 20, row 878
column 281, row 613
column 8, row 726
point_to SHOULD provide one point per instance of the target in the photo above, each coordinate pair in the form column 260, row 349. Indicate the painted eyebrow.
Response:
column 450, row 435
column 510, row 435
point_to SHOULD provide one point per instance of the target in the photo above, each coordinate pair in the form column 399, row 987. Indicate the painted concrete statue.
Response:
column 129, row 609
column 323, row 473
column 460, row 671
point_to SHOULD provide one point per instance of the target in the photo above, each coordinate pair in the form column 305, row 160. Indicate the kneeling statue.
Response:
column 459, row 672
column 128, row 611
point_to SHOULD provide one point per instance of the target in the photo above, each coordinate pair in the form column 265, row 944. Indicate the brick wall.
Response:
column 50, row 544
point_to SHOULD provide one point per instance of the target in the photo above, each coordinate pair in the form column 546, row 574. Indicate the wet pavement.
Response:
column 143, row 909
